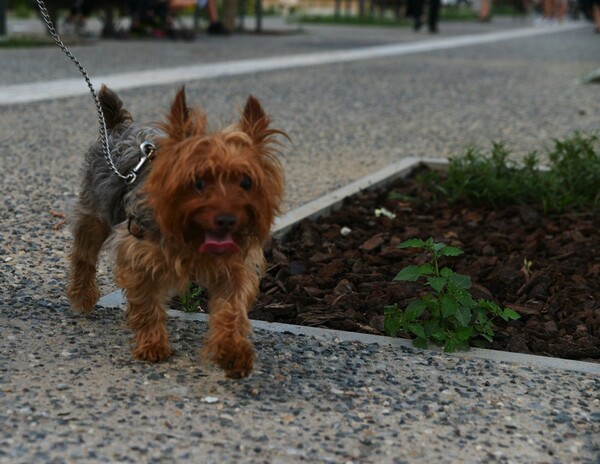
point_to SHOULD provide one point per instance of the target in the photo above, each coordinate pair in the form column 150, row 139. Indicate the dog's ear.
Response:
column 180, row 113
column 112, row 108
column 255, row 121
column 183, row 122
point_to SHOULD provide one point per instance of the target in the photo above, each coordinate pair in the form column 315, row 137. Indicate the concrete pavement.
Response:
column 69, row 390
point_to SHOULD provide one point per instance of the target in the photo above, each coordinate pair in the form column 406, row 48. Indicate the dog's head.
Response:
column 216, row 192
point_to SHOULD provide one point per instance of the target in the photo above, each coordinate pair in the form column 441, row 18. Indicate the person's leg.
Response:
column 432, row 16
column 415, row 10
column 560, row 10
column 596, row 13
column 548, row 9
column 212, row 11
column 485, row 10
column 215, row 27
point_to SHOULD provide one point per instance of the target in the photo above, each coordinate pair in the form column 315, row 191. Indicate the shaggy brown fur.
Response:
column 201, row 211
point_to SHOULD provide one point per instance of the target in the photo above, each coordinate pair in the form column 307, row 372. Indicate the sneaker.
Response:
column 217, row 29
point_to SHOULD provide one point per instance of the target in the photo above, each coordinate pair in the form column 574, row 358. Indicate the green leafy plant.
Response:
column 448, row 315
column 190, row 300
column 574, row 175
column 571, row 180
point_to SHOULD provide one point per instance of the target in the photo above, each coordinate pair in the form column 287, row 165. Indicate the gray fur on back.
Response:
column 105, row 194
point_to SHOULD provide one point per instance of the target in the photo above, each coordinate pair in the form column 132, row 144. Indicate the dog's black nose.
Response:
column 225, row 222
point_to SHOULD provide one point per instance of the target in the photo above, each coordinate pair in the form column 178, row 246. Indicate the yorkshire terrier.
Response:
column 199, row 211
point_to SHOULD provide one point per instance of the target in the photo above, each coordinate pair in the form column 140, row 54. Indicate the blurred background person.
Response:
column 414, row 10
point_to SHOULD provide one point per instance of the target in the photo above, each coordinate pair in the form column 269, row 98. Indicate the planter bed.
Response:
column 335, row 267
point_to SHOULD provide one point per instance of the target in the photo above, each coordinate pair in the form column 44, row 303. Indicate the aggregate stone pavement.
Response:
column 72, row 393
column 69, row 390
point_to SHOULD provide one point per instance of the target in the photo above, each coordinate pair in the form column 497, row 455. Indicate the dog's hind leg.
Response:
column 89, row 235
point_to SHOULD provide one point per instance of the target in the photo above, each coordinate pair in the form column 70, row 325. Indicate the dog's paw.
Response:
column 236, row 359
column 152, row 345
column 82, row 298
column 153, row 353
column 237, row 365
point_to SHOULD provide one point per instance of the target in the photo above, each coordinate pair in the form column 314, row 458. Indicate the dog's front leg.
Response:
column 149, row 323
column 146, row 314
column 231, row 297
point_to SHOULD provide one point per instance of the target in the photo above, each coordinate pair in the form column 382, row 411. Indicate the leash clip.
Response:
column 148, row 149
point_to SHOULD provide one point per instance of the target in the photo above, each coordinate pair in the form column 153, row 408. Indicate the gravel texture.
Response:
column 74, row 393
column 69, row 390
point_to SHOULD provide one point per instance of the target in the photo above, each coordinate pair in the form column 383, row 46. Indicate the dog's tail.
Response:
column 112, row 108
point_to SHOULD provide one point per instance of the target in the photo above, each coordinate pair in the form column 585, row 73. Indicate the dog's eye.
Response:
column 246, row 183
column 199, row 184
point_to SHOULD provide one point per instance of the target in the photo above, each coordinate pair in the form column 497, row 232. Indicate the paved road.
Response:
column 69, row 391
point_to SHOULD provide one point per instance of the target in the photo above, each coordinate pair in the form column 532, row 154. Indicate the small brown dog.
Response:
column 200, row 211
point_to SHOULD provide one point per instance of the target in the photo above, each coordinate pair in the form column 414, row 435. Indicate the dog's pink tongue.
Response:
column 218, row 245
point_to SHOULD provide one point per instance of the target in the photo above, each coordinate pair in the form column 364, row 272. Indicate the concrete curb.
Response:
column 115, row 299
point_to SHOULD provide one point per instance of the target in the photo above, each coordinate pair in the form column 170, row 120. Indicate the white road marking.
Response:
column 48, row 90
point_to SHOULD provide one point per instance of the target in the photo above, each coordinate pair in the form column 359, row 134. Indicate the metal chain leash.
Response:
column 103, row 132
